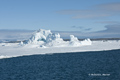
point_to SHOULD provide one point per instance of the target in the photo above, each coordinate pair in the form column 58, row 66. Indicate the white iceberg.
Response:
column 74, row 41
column 86, row 42
column 39, row 36
column 45, row 38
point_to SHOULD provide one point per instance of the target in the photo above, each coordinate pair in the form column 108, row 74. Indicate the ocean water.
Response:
column 100, row 65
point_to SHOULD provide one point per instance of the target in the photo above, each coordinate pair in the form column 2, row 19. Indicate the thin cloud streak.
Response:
column 90, row 16
column 78, row 27
column 108, row 22
column 110, row 7
column 98, row 11
column 82, row 29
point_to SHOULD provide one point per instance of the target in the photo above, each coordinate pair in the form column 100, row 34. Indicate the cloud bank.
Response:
column 112, row 31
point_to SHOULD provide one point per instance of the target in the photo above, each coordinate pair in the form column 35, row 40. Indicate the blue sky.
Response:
column 60, row 15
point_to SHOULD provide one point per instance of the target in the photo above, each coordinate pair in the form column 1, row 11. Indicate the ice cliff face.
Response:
column 45, row 38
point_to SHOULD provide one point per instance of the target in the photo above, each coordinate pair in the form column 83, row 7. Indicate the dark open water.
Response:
column 102, row 65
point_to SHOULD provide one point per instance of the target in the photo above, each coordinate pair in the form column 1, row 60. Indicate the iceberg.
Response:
column 74, row 41
column 45, row 38
column 86, row 42
column 38, row 36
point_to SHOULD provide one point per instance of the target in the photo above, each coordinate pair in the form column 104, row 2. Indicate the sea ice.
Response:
column 46, row 42
column 45, row 38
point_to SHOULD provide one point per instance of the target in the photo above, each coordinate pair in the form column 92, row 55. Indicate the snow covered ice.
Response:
column 46, row 42
column 45, row 38
column 75, row 42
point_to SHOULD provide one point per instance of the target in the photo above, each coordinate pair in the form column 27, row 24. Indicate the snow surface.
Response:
column 15, row 49
column 46, row 42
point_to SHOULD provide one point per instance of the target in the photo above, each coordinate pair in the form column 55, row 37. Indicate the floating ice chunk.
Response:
column 73, row 38
column 54, row 37
column 74, row 41
column 39, row 35
column 21, row 43
column 86, row 42
column 54, row 40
